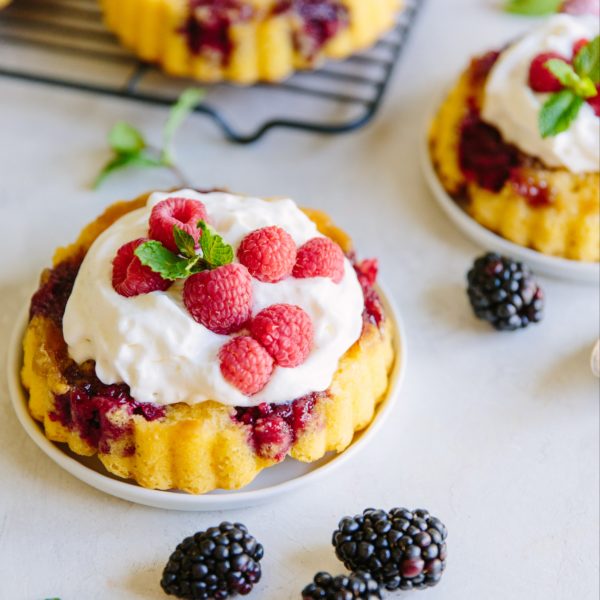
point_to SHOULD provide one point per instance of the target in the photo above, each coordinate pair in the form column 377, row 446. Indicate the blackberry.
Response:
column 356, row 586
column 504, row 292
column 401, row 549
column 214, row 564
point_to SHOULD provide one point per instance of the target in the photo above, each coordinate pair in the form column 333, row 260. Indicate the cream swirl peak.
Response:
column 513, row 107
column 153, row 344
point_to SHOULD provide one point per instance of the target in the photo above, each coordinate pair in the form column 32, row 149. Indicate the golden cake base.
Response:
column 263, row 48
column 201, row 448
column 569, row 227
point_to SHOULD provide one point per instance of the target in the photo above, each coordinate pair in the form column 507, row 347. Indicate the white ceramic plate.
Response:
column 271, row 483
column 540, row 263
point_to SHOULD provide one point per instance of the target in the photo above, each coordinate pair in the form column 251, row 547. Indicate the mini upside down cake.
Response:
column 191, row 340
column 515, row 143
column 245, row 41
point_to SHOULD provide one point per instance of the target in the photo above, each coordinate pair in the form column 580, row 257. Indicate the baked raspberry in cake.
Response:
column 246, row 40
column 515, row 143
column 191, row 340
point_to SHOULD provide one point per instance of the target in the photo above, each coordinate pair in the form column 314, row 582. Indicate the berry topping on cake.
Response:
column 484, row 157
column 214, row 564
column 286, row 332
column 272, row 438
column 130, row 277
column 356, row 586
column 504, row 293
column 180, row 212
column 367, row 271
column 269, row 254
column 220, row 299
column 208, row 26
column 401, row 549
column 246, row 364
column 320, row 257
column 540, row 77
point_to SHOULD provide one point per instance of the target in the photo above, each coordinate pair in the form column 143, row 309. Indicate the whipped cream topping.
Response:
column 151, row 342
column 513, row 107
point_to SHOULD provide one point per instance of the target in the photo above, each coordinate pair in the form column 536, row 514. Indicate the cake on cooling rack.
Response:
column 191, row 340
column 516, row 140
column 245, row 41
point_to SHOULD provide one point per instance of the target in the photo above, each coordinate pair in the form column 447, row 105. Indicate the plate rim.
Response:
column 544, row 264
column 228, row 499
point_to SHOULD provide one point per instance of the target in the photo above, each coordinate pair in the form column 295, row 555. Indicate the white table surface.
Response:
column 497, row 434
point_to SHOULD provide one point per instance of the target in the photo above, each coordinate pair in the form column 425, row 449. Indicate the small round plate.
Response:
column 271, row 483
column 553, row 266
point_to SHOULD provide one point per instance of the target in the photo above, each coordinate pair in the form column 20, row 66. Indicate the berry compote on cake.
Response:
column 247, row 40
column 516, row 142
column 191, row 340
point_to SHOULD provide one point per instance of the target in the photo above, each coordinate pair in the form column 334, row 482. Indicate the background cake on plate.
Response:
column 245, row 41
column 517, row 146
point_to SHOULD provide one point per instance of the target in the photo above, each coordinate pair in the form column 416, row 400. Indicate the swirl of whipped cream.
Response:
column 152, row 343
column 513, row 107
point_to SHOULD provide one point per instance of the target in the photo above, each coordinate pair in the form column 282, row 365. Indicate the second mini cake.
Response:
column 246, row 40
column 193, row 356
column 519, row 149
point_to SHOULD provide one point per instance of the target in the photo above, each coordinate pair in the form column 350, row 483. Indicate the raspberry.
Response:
column 272, row 437
column 269, row 254
column 578, row 45
column 183, row 212
column 285, row 331
column 320, row 257
column 130, row 277
column 540, row 78
column 221, row 300
column 367, row 271
column 594, row 101
column 246, row 364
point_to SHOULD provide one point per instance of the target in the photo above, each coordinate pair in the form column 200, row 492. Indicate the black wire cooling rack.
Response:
column 64, row 43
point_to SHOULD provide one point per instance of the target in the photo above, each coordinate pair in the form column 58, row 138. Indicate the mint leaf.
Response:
column 565, row 73
column 533, row 7
column 587, row 61
column 126, row 139
column 185, row 242
column 186, row 103
column 162, row 261
column 562, row 71
column 215, row 250
column 122, row 161
column 559, row 111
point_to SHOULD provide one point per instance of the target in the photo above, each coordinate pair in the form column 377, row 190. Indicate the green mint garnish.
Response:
column 214, row 252
column 187, row 102
column 162, row 261
column 559, row 111
column 582, row 86
column 579, row 81
column 130, row 148
column 185, row 242
column 533, row 7
column 587, row 61
column 214, row 249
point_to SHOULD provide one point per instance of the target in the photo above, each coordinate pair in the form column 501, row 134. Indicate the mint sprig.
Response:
column 130, row 148
column 579, row 81
column 214, row 252
column 533, row 7
column 214, row 249
column 587, row 61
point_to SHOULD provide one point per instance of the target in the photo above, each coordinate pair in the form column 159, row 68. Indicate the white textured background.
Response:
column 497, row 434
